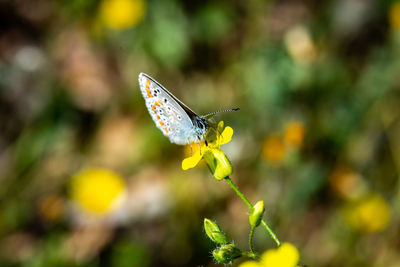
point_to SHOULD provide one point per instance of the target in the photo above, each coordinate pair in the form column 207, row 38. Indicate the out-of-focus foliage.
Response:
column 317, row 136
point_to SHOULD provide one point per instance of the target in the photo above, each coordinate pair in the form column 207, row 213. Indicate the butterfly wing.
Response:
column 169, row 114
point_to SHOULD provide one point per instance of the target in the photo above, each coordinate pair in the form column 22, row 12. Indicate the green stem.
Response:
column 251, row 255
column 251, row 239
column 271, row 233
column 247, row 202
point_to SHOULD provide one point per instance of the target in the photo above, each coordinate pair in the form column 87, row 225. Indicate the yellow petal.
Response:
column 212, row 137
column 192, row 161
column 226, row 135
column 220, row 126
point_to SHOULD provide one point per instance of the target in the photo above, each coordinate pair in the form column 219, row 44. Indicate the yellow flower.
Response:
column 217, row 161
column 370, row 214
column 394, row 16
column 273, row 149
column 97, row 191
column 286, row 255
column 294, row 134
column 121, row 14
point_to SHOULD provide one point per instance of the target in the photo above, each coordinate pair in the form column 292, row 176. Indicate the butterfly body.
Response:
column 175, row 120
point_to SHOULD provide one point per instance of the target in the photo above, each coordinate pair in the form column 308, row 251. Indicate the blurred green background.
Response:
column 317, row 136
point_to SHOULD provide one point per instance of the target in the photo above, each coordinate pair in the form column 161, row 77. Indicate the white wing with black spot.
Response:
column 169, row 114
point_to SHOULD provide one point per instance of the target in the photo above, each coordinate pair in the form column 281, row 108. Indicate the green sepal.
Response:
column 226, row 253
column 214, row 232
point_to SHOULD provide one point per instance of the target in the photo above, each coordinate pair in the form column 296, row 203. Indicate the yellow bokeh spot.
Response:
column 97, row 191
column 273, row 149
column 294, row 134
column 122, row 14
column 394, row 16
column 286, row 255
column 346, row 182
column 370, row 214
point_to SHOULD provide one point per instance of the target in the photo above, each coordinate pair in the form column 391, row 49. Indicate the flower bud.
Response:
column 256, row 214
column 218, row 163
column 214, row 233
column 226, row 254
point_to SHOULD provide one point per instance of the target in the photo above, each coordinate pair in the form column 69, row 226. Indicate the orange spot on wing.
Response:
column 158, row 117
column 166, row 131
column 161, row 123
column 147, row 89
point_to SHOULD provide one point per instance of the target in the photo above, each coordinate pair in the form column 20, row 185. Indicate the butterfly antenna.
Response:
column 220, row 111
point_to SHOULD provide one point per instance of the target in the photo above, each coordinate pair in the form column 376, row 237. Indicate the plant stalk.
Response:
column 247, row 202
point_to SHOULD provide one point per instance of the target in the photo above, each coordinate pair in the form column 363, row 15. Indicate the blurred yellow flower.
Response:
column 286, row 255
column 217, row 161
column 273, row 149
column 294, row 134
column 122, row 14
column 346, row 182
column 370, row 214
column 394, row 16
column 97, row 191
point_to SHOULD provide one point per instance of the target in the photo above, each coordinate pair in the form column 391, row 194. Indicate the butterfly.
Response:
column 175, row 120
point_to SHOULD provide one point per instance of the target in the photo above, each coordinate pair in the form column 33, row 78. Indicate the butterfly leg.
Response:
column 198, row 142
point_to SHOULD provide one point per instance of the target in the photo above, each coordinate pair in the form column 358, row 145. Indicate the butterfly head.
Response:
column 201, row 126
